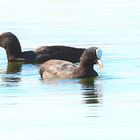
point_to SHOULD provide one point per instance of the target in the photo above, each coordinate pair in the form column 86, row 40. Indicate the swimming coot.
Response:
column 11, row 44
column 64, row 69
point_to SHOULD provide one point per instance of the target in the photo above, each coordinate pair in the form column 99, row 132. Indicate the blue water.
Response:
column 106, row 107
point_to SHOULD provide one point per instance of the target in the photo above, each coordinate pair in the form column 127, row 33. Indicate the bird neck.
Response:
column 86, row 71
column 13, row 50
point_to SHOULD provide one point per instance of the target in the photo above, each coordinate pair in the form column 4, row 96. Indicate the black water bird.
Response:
column 12, row 46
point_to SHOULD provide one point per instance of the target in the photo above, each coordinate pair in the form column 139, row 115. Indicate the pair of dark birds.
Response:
column 57, row 60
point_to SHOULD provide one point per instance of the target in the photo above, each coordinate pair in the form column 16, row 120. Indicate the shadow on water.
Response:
column 92, row 90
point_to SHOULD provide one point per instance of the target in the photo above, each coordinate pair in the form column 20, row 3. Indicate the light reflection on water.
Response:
column 100, row 108
column 100, row 104
column 78, row 105
column 17, row 76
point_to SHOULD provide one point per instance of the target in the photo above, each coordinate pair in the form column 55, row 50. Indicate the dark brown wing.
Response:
column 58, row 52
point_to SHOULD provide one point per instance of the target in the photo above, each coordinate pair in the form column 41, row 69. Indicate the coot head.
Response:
column 11, row 44
column 90, row 57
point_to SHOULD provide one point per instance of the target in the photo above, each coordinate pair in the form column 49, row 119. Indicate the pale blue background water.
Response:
column 107, row 107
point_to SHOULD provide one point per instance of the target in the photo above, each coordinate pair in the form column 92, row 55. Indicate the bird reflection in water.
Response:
column 92, row 90
column 10, row 77
column 13, row 68
column 92, row 96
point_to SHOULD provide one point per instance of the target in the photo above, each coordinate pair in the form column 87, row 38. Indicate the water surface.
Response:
column 106, row 107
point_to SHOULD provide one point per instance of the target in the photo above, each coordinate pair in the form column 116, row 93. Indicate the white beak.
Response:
column 100, row 64
column 99, row 55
